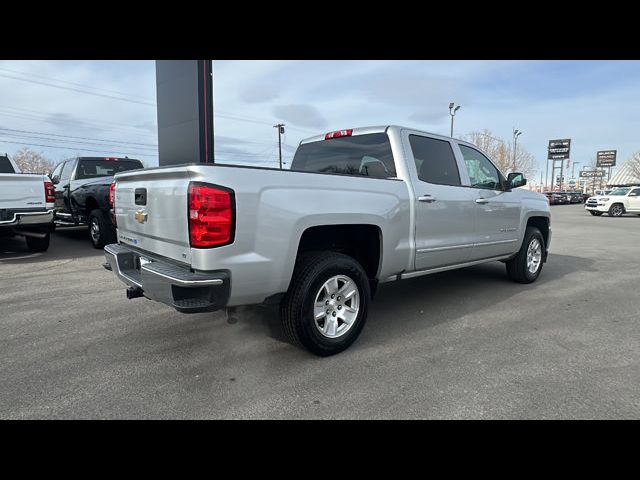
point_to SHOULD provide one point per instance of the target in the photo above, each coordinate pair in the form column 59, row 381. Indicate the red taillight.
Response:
column 111, row 158
column 210, row 215
column 112, row 195
column 49, row 192
column 338, row 133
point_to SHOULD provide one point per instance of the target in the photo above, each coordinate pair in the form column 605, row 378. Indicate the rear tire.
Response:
column 526, row 266
column 101, row 232
column 595, row 213
column 304, row 308
column 36, row 244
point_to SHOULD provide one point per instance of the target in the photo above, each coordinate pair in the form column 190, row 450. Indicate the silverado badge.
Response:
column 141, row 216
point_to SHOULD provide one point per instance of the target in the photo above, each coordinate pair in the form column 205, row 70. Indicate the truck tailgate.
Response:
column 20, row 191
column 151, row 211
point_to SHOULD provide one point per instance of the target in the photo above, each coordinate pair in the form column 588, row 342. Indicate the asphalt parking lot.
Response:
column 461, row 344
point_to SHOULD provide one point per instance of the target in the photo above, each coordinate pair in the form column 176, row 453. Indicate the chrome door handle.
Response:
column 427, row 198
column 482, row 200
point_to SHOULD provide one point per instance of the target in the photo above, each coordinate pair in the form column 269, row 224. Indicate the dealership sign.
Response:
column 592, row 173
column 559, row 149
column 607, row 158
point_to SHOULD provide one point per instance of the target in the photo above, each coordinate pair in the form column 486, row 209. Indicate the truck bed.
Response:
column 272, row 210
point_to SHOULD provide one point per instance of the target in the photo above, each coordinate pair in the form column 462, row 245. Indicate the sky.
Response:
column 69, row 108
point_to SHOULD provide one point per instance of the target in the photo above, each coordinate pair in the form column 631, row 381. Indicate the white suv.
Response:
column 616, row 203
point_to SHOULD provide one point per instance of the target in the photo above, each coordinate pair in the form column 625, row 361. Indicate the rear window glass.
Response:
column 5, row 165
column 362, row 155
column 89, row 168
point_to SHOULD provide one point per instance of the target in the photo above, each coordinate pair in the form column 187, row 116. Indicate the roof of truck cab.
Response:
column 381, row 129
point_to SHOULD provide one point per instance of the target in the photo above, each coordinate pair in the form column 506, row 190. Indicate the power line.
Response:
column 29, row 74
column 77, row 90
column 2, row 140
column 46, row 139
column 155, row 145
column 76, row 123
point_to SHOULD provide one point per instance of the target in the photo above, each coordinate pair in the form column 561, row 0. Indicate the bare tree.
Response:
column 30, row 161
column 501, row 153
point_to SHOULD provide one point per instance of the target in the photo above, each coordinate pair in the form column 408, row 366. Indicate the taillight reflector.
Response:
column 338, row 133
column 112, row 197
column 211, row 215
column 49, row 192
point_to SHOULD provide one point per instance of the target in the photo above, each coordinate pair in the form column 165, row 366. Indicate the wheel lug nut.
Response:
column 339, row 307
column 334, row 314
column 339, row 298
column 332, row 295
column 327, row 302
column 328, row 312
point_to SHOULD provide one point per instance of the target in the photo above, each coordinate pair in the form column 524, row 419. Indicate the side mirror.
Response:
column 55, row 179
column 515, row 180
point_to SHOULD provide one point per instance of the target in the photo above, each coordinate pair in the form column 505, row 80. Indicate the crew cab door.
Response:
column 444, row 209
column 62, row 187
column 634, row 200
column 497, row 210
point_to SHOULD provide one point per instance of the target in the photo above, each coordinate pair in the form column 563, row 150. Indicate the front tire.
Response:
column 101, row 232
column 36, row 244
column 526, row 266
column 326, row 306
column 616, row 210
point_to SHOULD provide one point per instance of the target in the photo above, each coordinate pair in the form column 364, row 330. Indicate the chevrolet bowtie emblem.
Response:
column 141, row 216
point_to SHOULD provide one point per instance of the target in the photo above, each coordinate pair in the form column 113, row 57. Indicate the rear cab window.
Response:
column 367, row 155
column 5, row 165
column 102, row 167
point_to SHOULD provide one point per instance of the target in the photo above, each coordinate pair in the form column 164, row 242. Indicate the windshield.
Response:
column 619, row 191
column 91, row 168
column 367, row 155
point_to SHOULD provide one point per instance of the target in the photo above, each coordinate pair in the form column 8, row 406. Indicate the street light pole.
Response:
column 452, row 112
column 516, row 134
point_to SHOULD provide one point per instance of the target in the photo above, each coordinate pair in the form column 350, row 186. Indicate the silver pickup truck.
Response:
column 358, row 208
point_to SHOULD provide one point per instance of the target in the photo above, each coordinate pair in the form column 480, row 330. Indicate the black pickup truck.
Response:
column 82, row 187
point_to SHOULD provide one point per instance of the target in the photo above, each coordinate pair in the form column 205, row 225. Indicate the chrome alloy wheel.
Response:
column 95, row 230
column 534, row 255
column 336, row 306
column 617, row 210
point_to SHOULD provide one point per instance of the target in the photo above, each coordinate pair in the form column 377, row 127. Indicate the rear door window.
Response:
column 361, row 155
column 435, row 161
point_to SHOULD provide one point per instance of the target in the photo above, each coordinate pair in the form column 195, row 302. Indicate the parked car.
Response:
column 358, row 208
column 616, row 203
column 573, row 197
column 82, row 187
column 555, row 198
column 26, row 205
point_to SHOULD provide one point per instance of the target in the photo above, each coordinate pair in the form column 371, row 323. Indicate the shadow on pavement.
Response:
column 66, row 243
column 430, row 300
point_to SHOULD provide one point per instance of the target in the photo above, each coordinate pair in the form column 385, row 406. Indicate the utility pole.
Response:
column 546, row 177
column 540, row 189
column 516, row 134
column 452, row 112
column 573, row 169
column 280, row 128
